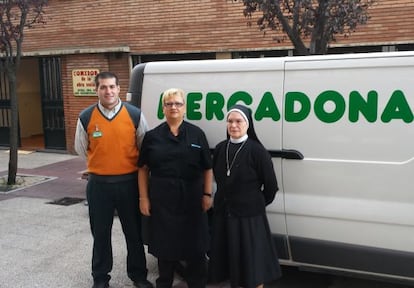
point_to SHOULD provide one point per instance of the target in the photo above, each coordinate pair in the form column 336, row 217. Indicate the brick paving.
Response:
column 52, row 176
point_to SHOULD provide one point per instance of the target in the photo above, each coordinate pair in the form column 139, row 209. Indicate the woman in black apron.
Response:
column 175, row 183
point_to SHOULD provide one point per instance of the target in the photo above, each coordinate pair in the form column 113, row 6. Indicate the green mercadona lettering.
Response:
column 298, row 106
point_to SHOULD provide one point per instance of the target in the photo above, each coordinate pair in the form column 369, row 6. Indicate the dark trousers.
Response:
column 103, row 199
column 195, row 273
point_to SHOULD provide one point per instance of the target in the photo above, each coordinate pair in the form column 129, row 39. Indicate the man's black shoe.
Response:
column 143, row 284
column 101, row 284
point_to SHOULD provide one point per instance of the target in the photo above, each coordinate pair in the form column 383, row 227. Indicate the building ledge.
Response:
column 68, row 51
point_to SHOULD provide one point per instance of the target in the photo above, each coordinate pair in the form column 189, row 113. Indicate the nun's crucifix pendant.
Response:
column 230, row 165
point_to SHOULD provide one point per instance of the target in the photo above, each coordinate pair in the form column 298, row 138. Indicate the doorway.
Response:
column 40, row 104
column 30, row 107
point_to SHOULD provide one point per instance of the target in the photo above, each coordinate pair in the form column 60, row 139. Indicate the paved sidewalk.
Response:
column 65, row 168
column 48, row 245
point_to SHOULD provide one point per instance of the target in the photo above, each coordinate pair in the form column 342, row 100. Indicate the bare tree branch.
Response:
column 15, row 17
column 315, row 21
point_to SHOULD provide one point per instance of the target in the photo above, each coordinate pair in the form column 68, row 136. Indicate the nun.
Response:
column 242, row 250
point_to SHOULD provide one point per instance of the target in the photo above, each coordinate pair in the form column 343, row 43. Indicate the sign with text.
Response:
column 84, row 81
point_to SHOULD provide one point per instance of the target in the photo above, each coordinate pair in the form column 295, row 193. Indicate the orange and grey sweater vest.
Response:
column 112, row 144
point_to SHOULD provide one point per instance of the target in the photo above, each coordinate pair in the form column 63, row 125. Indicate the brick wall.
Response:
column 170, row 26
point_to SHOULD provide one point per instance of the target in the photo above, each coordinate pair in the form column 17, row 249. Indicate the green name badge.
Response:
column 97, row 134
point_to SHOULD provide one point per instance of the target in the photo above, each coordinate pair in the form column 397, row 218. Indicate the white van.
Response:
column 340, row 129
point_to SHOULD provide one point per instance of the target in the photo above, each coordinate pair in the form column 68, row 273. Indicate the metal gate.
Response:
column 52, row 103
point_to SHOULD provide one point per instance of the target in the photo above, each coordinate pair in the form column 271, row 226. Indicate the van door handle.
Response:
column 286, row 154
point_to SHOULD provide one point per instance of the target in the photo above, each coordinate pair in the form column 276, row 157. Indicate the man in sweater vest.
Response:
column 108, row 136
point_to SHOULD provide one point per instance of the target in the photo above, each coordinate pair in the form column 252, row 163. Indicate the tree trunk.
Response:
column 318, row 43
column 14, row 132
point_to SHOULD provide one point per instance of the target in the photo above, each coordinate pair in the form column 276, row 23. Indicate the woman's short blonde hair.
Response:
column 173, row 92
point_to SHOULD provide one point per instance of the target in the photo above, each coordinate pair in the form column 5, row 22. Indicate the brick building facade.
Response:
column 114, row 35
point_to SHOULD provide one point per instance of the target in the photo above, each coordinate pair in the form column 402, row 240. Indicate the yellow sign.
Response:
column 84, row 81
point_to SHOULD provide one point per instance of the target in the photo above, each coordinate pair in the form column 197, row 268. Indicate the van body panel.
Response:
column 209, row 76
column 351, row 259
column 340, row 131
column 355, row 175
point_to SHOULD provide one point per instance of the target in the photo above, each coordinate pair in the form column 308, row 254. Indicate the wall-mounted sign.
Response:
column 84, row 81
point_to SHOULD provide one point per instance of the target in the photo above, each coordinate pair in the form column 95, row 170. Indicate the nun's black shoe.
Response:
column 101, row 284
column 143, row 284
